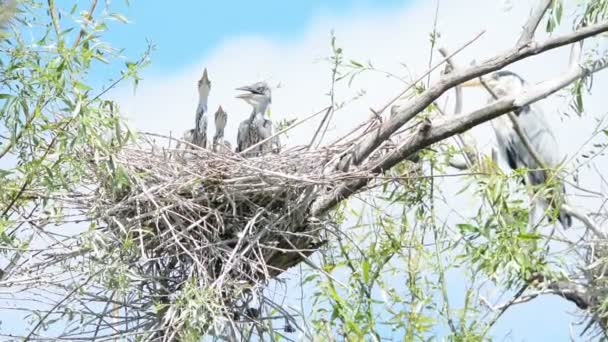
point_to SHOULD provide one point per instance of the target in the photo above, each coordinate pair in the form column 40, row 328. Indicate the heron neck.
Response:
column 200, row 112
column 258, row 111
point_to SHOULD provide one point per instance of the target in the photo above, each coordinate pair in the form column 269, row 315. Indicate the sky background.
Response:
column 285, row 43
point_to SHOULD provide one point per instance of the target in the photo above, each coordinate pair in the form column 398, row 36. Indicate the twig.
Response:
column 54, row 19
column 88, row 17
column 532, row 24
column 283, row 131
column 585, row 220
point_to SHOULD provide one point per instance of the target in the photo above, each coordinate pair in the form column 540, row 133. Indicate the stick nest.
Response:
column 196, row 219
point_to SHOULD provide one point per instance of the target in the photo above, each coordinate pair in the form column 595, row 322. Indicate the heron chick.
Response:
column 198, row 135
column 535, row 127
column 219, row 144
column 257, row 127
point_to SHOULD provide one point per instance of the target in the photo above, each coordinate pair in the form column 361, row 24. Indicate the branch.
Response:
column 88, row 17
column 572, row 292
column 585, row 220
column 54, row 18
column 283, row 131
column 415, row 106
column 429, row 134
column 532, row 24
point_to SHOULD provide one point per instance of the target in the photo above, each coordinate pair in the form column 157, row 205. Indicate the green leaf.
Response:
column 119, row 17
column 529, row 236
column 357, row 64
column 366, row 267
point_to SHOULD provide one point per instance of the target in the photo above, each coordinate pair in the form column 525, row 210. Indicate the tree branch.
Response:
column 532, row 24
column 429, row 134
column 415, row 106
column 88, row 17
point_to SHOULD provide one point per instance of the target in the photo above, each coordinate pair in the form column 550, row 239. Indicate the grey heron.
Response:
column 219, row 144
column 198, row 135
column 257, row 127
column 535, row 128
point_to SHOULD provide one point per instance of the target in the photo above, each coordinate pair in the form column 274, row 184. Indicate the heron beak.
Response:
column 244, row 96
column 476, row 82
column 249, row 94
column 248, row 89
column 205, row 80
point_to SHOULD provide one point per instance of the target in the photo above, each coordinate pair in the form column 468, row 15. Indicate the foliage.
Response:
column 53, row 122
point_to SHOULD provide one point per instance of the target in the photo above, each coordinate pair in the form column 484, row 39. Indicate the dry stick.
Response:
column 325, row 117
column 282, row 131
column 408, row 88
column 535, row 18
column 41, row 321
column 415, row 106
column 585, row 220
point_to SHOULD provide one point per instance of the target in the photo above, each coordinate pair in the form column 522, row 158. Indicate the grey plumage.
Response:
column 198, row 135
column 219, row 144
column 257, row 127
column 532, row 121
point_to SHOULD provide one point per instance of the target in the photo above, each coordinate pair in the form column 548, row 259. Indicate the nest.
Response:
column 219, row 222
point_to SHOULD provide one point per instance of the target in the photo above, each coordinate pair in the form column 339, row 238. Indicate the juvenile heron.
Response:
column 219, row 144
column 536, row 129
column 198, row 135
column 257, row 127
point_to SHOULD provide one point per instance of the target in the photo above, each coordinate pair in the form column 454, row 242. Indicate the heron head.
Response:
column 204, row 85
column 502, row 83
column 258, row 95
column 221, row 118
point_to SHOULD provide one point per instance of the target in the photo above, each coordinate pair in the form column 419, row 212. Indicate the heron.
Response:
column 198, row 135
column 219, row 144
column 257, row 127
column 535, row 127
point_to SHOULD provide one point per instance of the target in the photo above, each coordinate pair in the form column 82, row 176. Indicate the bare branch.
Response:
column 532, row 24
column 430, row 134
column 415, row 106
column 89, row 17
column 585, row 220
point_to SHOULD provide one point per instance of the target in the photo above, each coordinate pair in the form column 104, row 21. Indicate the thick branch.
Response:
column 415, row 106
column 430, row 134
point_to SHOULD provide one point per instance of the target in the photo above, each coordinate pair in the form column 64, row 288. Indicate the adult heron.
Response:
column 257, row 127
column 198, row 135
column 534, row 127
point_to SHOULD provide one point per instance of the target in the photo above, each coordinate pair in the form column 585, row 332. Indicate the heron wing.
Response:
column 242, row 136
column 541, row 137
